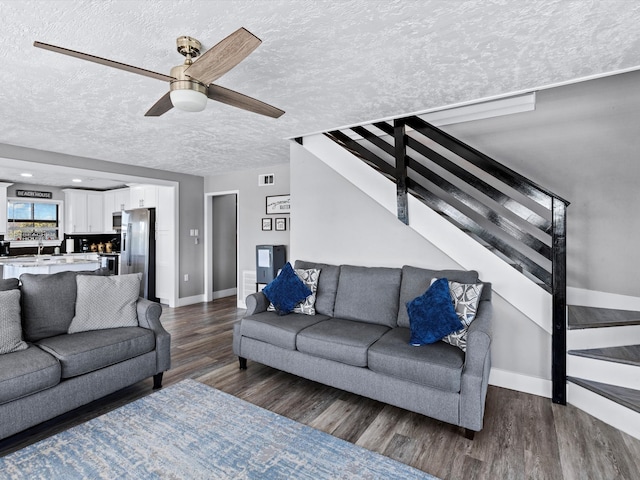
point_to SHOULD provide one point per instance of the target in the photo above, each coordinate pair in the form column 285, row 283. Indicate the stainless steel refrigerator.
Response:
column 138, row 248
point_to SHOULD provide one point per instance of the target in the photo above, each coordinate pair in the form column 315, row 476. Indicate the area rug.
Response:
column 192, row 431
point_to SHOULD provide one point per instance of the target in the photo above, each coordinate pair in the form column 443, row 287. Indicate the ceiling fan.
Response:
column 190, row 83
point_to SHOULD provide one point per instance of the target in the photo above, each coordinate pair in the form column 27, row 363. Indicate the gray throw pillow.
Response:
column 10, row 327
column 106, row 302
column 465, row 298
column 9, row 284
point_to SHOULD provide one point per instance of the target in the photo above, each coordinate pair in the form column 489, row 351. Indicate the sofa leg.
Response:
column 243, row 363
column 157, row 381
column 469, row 434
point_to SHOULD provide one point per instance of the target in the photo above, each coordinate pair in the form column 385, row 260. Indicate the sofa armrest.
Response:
column 477, row 366
column 149, row 317
column 256, row 303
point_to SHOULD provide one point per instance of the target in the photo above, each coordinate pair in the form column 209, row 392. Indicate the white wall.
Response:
column 252, row 209
column 581, row 142
column 335, row 222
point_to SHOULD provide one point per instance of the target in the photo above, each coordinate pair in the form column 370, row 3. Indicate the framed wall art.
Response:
column 266, row 224
column 278, row 204
column 281, row 224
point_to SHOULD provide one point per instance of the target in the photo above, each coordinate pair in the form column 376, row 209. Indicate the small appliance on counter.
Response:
column 5, row 251
column 84, row 245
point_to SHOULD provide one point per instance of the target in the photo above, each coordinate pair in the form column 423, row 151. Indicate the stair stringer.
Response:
column 507, row 282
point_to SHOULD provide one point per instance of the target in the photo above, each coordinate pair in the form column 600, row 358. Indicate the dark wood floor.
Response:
column 524, row 436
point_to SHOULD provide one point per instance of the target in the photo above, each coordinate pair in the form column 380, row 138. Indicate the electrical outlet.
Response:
column 186, row 277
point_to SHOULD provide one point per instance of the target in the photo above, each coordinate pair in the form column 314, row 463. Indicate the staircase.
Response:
column 506, row 217
column 603, row 365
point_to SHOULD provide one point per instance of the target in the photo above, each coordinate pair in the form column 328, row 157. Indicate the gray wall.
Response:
column 190, row 214
column 252, row 208
column 223, row 241
column 335, row 222
column 581, row 142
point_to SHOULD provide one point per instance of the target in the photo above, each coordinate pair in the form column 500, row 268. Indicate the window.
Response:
column 28, row 221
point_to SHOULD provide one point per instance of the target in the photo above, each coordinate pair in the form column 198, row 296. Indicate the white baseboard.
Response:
column 183, row 301
column 224, row 293
column 521, row 383
column 592, row 298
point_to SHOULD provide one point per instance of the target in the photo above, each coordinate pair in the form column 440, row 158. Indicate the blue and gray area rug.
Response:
column 192, row 431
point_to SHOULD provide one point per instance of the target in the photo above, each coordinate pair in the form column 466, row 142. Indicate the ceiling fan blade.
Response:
column 223, row 56
column 161, row 106
column 104, row 61
column 235, row 99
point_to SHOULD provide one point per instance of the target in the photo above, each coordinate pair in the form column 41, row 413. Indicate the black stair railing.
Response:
column 521, row 222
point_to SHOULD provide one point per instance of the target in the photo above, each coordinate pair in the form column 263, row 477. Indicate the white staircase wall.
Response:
column 585, row 338
column 507, row 282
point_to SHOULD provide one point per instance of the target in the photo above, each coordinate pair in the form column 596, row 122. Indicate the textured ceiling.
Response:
column 326, row 63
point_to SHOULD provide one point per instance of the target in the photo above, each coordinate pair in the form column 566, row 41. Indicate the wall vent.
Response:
column 266, row 179
column 249, row 278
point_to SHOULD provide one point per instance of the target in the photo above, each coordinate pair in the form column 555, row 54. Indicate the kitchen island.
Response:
column 13, row 267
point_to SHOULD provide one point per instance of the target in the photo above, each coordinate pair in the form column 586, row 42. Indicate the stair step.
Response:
column 629, row 354
column 592, row 317
column 623, row 396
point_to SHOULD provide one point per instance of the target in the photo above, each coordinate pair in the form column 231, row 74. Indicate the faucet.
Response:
column 40, row 245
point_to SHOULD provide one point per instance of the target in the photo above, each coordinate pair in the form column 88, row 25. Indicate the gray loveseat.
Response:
column 58, row 372
column 358, row 341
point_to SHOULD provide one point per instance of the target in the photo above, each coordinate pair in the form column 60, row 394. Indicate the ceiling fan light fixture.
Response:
column 188, row 100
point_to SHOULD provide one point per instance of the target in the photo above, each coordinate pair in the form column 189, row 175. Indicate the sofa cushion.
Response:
column 286, row 290
column 106, row 302
column 48, row 304
column 437, row 365
column 25, row 372
column 10, row 322
column 344, row 341
column 85, row 352
column 368, row 294
column 327, row 285
column 277, row 329
column 432, row 316
column 9, row 284
column 416, row 281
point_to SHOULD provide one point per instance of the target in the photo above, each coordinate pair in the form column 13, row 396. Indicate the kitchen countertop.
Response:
column 33, row 260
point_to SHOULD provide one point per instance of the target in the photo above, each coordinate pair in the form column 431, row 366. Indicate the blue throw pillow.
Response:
column 432, row 315
column 286, row 290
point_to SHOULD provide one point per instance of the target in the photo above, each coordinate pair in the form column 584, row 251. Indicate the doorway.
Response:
column 221, row 279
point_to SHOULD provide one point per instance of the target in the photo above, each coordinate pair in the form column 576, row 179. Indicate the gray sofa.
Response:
column 58, row 372
column 358, row 341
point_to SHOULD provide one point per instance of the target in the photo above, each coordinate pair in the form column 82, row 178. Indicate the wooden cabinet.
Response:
column 143, row 196
column 3, row 207
column 83, row 211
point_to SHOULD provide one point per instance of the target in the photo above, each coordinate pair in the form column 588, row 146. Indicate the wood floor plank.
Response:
column 524, row 436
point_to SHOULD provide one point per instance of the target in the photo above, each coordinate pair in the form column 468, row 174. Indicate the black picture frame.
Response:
column 278, row 205
column 267, row 224
column 281, row 224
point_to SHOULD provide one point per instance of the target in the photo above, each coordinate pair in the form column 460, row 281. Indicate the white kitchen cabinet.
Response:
column 166, row 250
column 143, row 196
column 114, row 201
column 83, row 211
column 3, row 209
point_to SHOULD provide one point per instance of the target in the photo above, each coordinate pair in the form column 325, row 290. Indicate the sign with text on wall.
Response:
column 278, row 204
column 33, row 194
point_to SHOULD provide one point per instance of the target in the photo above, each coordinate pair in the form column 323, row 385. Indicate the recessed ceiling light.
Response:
column 26, row 175
column 77, row 180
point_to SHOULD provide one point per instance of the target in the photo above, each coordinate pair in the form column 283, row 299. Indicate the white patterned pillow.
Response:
column 466, row 297
column 310, row 278
column 10, row 322
column 106, row 302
